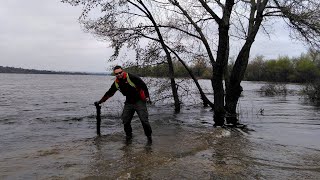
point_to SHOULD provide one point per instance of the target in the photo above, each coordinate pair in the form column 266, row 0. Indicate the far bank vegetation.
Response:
column 302, row 69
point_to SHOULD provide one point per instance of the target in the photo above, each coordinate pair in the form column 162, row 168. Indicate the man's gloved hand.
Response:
column 148, row 100
column 97, row 103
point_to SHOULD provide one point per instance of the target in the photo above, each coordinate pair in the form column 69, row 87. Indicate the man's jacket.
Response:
column 134, row 91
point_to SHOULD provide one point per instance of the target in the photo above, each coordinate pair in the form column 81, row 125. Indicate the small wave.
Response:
column 26, row 110
column 66, row 102
column 74, row 119
column 223, row 133
column 48, row 152
column 9, row 123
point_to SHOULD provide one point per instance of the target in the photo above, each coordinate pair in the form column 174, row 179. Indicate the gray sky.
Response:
column 45, row 34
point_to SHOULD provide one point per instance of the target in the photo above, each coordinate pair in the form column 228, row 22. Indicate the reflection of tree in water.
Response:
column 106, row 155
column 115, row 158
column 230, row 154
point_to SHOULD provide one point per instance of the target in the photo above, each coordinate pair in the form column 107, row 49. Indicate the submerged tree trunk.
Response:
column 233, row 88
column 204, row 98
column 174, row 87
column 218, row 97
column 219, row 66
column 217, row 79
column 177, row 106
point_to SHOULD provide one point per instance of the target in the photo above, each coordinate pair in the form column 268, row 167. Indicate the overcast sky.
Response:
column 46, row 35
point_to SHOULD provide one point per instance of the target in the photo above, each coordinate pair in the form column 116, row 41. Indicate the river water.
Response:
column 48, row 131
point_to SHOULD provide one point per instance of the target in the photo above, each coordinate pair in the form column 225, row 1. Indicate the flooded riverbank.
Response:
column 48, row 132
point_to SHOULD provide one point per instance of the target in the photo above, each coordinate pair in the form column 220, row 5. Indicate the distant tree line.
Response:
column 34, row 71
column 199, row 68
column 305, row 68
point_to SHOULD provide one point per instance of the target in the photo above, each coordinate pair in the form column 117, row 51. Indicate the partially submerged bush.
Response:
column 274, row 89
column 312, row 91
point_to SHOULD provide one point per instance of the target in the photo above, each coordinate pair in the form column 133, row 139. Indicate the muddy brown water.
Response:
column 47, row 128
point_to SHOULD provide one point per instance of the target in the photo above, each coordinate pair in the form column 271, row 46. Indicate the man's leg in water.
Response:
column 142, row 111
column 127, row 115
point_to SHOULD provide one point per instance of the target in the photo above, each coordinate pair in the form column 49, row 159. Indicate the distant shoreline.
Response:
column 14, row 70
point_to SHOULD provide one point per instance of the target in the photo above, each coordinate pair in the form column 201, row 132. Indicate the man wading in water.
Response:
column 137, row 95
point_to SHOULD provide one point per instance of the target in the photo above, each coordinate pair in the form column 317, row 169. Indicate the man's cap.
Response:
column 117, row 67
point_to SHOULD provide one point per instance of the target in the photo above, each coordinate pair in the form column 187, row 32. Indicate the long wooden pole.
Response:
column 98, row 107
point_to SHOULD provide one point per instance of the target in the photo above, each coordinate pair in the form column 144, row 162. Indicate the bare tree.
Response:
column 203, row 28
column 246, row 18
column 130, row 22
column 125, row 22
column 303, row 18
